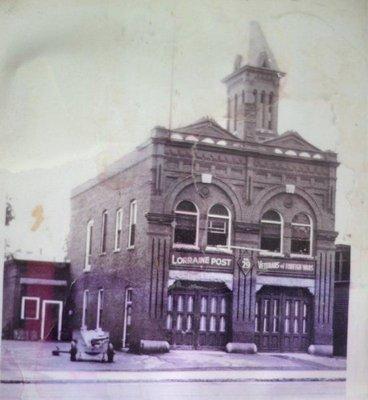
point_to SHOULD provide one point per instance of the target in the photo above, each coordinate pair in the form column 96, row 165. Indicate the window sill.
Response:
column 116, row 251
column 185, row 247
column 102, row 254
column 218, row 250
column 270, row 254
column 87, row 269
column 303, row 256
column 130, row 247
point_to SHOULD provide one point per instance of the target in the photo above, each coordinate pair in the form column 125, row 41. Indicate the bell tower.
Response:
column 253, row 91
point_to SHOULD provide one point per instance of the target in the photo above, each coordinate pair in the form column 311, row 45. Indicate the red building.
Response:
column 35, row 295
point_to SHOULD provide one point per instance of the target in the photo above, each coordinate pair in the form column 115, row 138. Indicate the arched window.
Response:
column 186, row 224
column 301, row 235
column 218, row 226
column 270, row 111
column 271, row 231
column 263, row 109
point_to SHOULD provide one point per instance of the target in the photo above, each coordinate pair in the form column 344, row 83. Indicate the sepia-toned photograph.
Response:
column 183, row 193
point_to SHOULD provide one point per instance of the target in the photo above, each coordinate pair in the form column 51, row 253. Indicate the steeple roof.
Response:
column 259, row 53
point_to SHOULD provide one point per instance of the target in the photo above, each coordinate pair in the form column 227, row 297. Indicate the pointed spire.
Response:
column 259, row 54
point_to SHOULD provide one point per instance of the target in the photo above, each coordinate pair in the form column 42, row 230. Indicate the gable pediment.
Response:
column 292, row 141
column 207, row 128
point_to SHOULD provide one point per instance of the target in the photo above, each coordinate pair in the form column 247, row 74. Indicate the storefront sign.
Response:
column 200, row 260
column 292, row 267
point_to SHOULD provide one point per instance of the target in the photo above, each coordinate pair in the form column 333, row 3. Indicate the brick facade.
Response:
column 207, row 165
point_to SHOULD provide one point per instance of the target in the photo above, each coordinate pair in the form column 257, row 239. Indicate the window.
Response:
column 266, row 314
column 270, row 111
column 30, row 307
column 257, row 321
column 169, row 317
column 132, row 224
column 235, row 111
column 271, row 232
column 287, row 317
column 218, row 226
column 186, row 224
column 87, row 264
column 301, row 235
column 100, row 300
column 85, row 308
column 263, row 109
column 103, row 232
column 118, row 229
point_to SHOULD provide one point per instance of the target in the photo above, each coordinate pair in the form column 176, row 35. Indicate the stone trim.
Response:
column 159, row 218
column 241, row 226
column 327, row 235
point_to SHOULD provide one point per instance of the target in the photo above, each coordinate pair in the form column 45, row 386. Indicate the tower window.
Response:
column 235, row 111
column 270, row 111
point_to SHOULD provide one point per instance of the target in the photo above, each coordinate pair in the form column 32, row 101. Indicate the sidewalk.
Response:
column 32, row 362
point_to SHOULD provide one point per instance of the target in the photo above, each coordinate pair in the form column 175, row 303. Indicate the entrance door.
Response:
column 198, row 318
column 282, row 319
column 52, row 311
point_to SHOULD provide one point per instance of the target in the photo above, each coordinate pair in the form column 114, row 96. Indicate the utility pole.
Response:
column 2, row 250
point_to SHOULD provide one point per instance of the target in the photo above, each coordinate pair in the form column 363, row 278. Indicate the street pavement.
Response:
column 176, row 391
column 29, row 371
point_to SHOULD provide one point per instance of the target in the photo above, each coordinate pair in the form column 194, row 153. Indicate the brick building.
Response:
column 36, row 300
column 341, row 299
column 152, row 239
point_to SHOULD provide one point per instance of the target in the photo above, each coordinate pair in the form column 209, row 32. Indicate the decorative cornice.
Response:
column 247, row 227
column 159, row 218
column 327, row 235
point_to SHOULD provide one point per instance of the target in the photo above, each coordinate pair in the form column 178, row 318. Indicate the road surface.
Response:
column 175, row 391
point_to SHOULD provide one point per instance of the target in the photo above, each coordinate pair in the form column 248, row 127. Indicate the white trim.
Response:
column 37, row 300
column 88, row 253
column 100, row 299
column 132, row 221
column 183, row 245
column 127, row 303
column 103, row 232
column 118, row 226
column 40, row 281
column 84, row 308
column 60, row 316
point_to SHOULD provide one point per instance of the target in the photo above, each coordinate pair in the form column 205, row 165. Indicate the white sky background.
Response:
column 83, row 82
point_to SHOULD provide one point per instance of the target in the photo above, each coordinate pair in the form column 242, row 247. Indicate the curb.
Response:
column 104, row 381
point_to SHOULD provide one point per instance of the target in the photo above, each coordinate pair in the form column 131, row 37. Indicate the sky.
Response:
column 84, row 82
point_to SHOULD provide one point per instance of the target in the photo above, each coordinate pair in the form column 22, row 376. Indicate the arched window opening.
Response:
column 263, row 109
column 301, row 235
column 270, row 111
column 186, row 224
column 235, row 111
column 271, row 232
column 218, row 226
